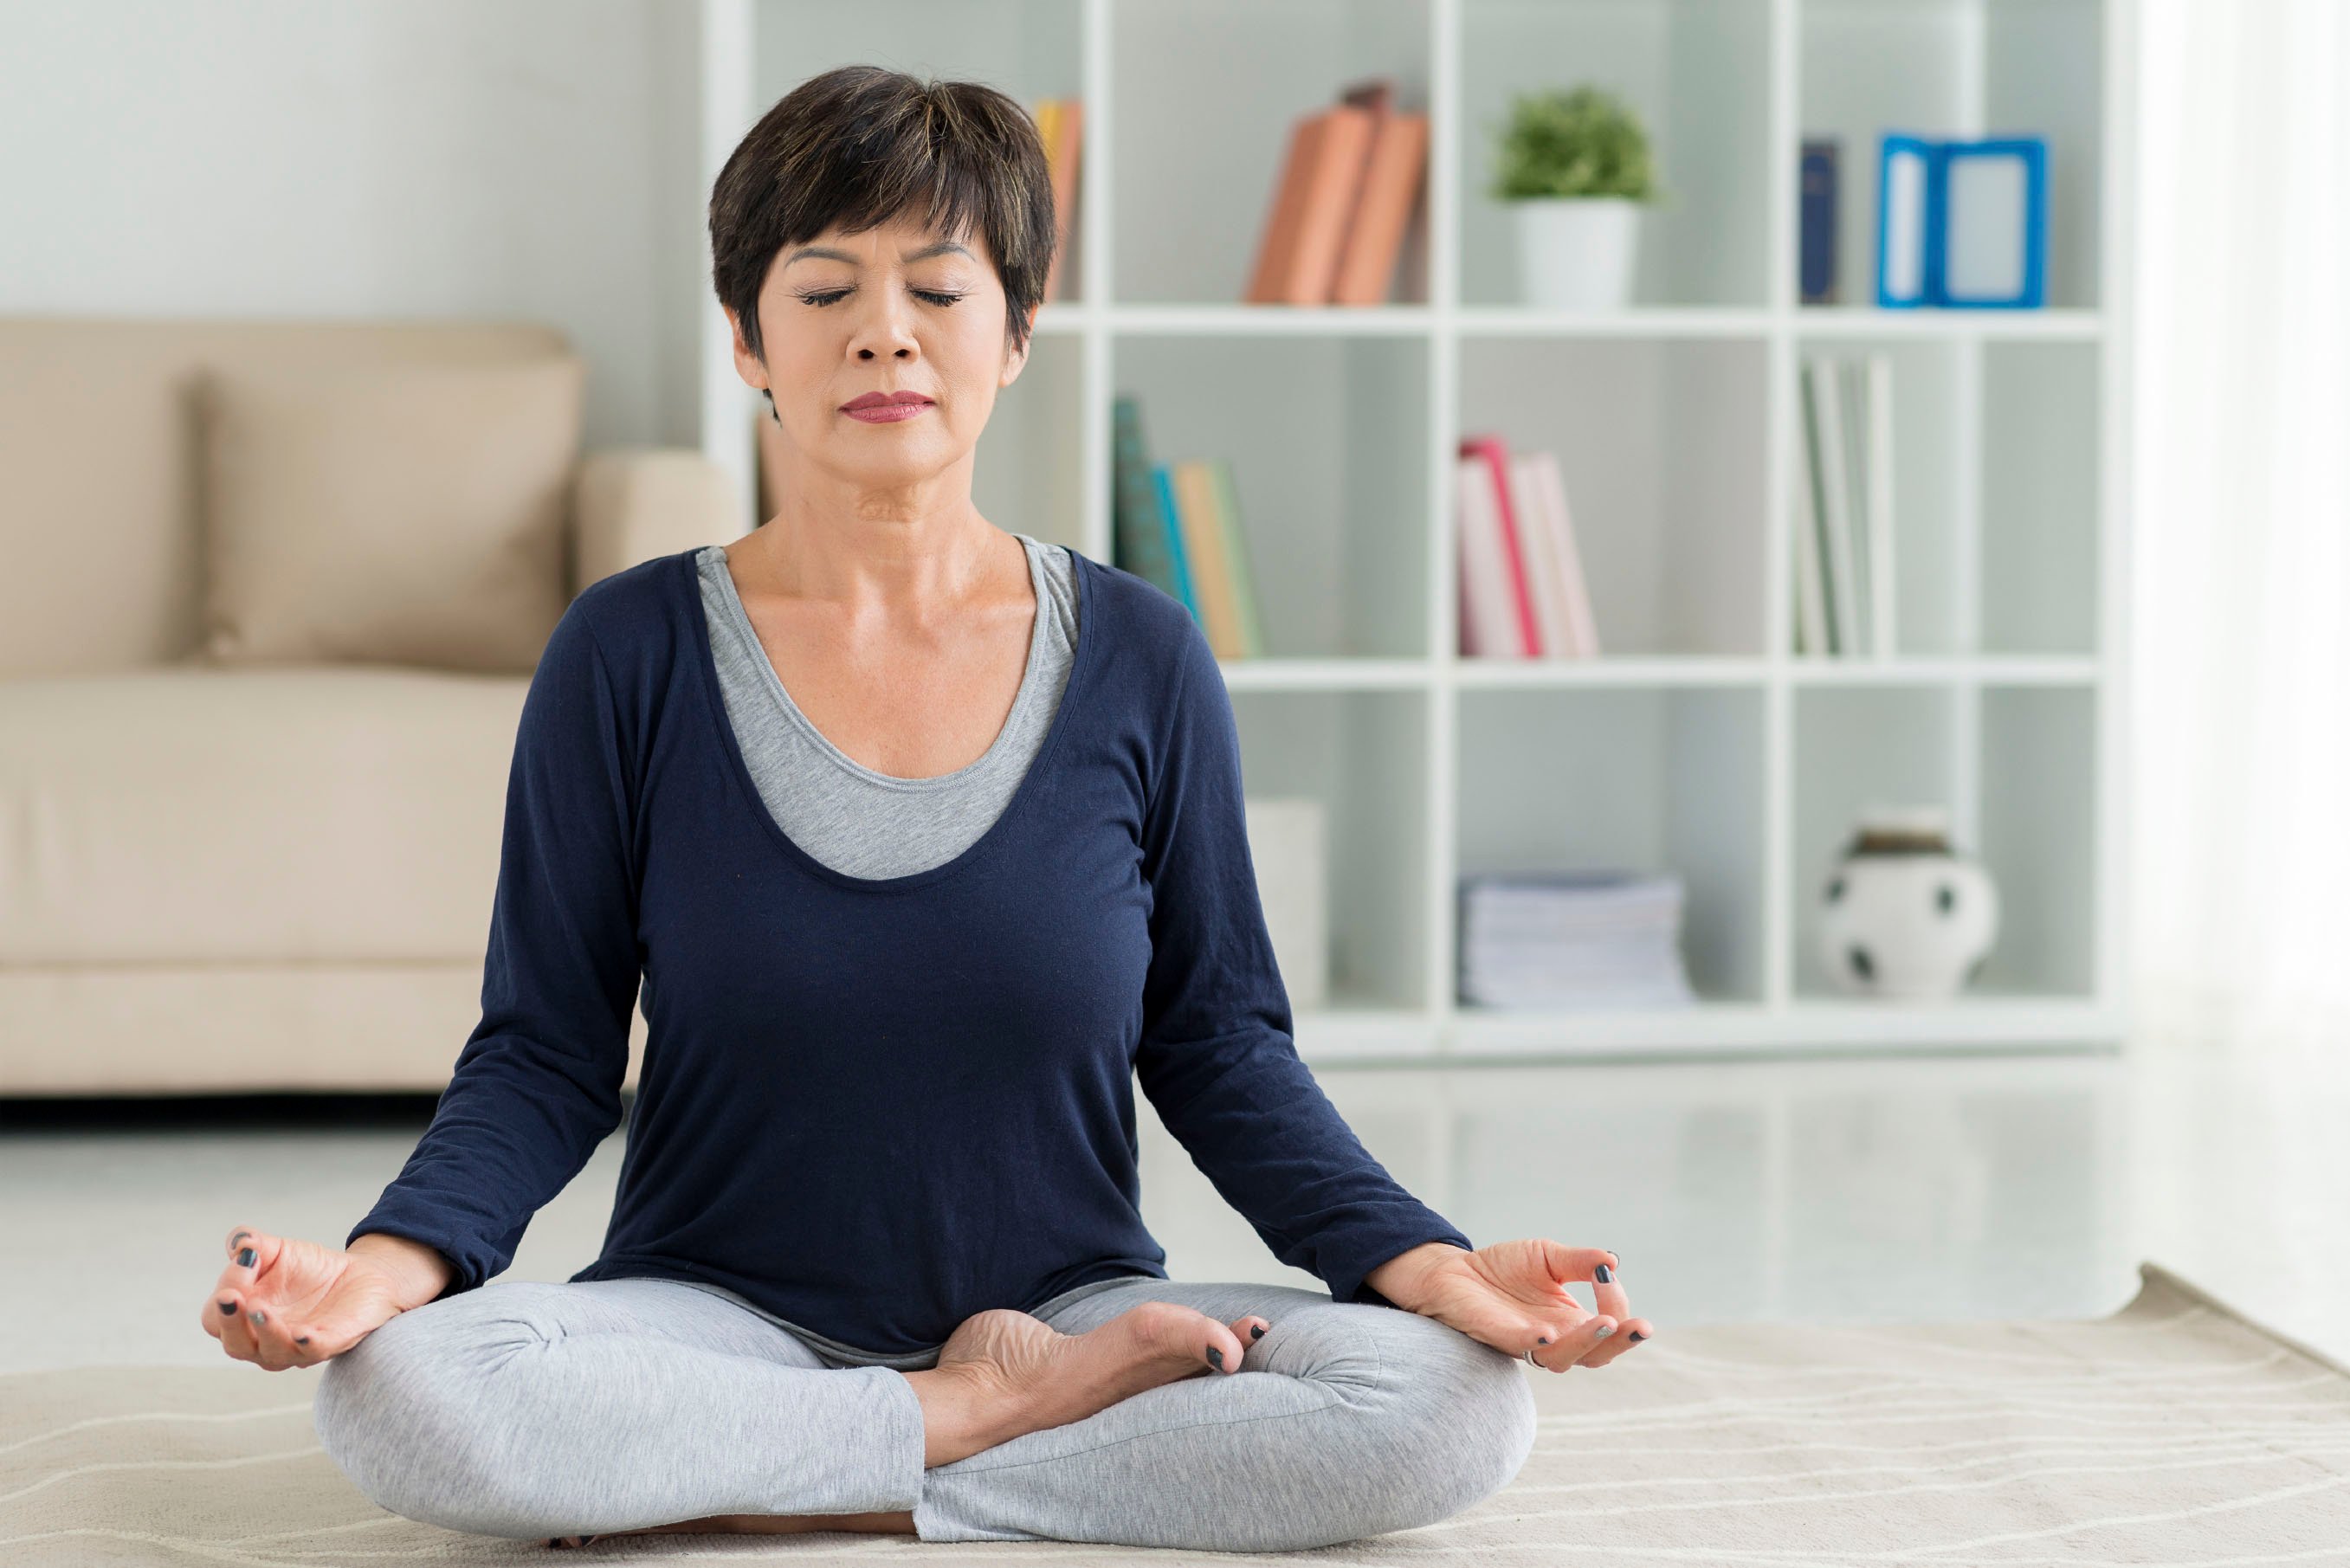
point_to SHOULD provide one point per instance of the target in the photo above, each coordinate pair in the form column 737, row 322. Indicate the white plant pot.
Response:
column 1576, row 253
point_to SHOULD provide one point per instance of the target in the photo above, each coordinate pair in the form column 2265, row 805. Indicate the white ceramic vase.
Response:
column 1576, row 253
column 1903, row 916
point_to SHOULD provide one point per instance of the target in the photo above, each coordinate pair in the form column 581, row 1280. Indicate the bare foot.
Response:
column 1004, row 1372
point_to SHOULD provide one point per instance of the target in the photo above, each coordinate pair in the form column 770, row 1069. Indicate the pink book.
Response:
column 1495, row 454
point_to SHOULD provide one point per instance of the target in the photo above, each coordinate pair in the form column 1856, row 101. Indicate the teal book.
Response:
column 1139, row 532
column 1162, row 482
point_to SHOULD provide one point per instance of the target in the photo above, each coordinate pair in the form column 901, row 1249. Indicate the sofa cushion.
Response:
column 97, row 463
column 409, row 514
column 251, row 816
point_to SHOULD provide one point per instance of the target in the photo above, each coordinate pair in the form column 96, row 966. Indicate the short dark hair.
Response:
column 861, row 145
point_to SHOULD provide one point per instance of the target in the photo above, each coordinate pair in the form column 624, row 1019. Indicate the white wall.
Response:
column 531, row 158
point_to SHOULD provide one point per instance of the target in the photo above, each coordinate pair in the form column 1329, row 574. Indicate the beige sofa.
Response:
column 217, row 880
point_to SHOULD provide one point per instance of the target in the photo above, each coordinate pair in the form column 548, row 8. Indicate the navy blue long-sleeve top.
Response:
column 876, row 1107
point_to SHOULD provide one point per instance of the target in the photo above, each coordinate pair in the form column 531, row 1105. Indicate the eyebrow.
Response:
column 826, row 252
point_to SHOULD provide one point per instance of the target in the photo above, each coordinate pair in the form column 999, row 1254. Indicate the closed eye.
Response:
column 827, row 296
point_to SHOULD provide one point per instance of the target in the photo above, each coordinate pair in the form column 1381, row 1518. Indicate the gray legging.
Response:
column 531, row 1409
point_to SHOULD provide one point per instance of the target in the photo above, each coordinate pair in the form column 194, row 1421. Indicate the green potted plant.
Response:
column 1575, row 167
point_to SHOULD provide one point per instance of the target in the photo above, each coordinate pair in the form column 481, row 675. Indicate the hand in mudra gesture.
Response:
column 1513, row 1295
column 282, row 1302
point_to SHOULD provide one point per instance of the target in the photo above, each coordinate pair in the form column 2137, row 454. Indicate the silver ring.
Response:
column 1530, row 1360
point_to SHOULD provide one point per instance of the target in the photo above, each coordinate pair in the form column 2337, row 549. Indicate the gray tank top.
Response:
column 873, row 825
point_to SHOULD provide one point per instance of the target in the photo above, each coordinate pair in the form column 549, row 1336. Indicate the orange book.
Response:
column 1281, row 218
column 1391, row 183
column 1063, row 144
column 1336, row 174
column 1203, row 543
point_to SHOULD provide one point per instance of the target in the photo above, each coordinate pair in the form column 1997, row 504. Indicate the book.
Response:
column 1876, row 374
column 1393, row 173
column 1823, row 410
column 1545, row 574
column 1851, row 422
column 1352, row 175
column 1818, row 180
column 1569, row 630
column 1179, row 556
column 1236, row 558
column 1206, row 544
column 1811, row 613
column 1298, row 258
column 1816, row 475
column 1494, row 452
column 1489, row 628
column 1139, row 532
column 1845, row 582
column 1060, row 124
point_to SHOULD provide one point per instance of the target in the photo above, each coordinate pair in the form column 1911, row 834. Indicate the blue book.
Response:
column 1816, row 270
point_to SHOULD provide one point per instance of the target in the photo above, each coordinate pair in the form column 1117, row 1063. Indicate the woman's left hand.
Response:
column 1513, row 1295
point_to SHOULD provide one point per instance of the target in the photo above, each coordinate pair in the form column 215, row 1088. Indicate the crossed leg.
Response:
column 535, row 1409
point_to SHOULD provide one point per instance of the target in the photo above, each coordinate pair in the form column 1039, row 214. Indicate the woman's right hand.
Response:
column 283, row 1303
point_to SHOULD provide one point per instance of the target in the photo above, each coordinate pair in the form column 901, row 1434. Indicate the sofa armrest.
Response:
column 632, row 504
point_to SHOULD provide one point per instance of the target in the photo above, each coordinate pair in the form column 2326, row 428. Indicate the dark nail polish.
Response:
column 259, row 1315
column 1601, row 1275
column 1256, row 1331
column 301, row 1339
column 245, row 1259
column 228, row 1309
column 1542, row 1339
column 1215, row 1356
column 1638, row 1336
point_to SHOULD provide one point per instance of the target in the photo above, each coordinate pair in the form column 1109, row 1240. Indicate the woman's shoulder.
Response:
column 1144, row 624
column 636, row 604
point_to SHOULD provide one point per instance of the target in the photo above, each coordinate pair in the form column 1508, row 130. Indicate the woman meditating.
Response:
column 923, row 839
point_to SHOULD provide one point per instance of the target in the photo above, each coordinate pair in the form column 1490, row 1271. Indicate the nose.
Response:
column 885, row 329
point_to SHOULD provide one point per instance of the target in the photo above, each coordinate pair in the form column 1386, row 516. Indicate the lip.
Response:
column 882, row 401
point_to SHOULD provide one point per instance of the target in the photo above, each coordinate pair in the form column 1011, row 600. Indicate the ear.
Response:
column 746, row 364
column 1017, row 359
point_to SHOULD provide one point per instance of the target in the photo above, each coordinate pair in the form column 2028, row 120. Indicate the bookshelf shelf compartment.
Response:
column 2040, row 498
column 1657, row 780
column 1855, row 748
column 1326, row 439
column 2039, row 785
column 1364, row 756
column 1960, row 68
column 1689, row 70
column 1206, row 91
column 1930, row 537
column 1700, row 742
column 1661, row 446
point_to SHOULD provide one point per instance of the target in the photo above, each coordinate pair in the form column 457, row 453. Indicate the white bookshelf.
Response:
column 1700, row 745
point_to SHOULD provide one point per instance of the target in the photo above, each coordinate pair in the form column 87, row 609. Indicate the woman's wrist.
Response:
column 418, row 1273
column 1403, row 1279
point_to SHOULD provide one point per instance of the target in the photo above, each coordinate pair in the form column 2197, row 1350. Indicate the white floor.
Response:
column 1799, row 1191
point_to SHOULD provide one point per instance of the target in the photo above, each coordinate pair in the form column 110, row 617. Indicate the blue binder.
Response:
column 1913, row 262
column 1906, row 255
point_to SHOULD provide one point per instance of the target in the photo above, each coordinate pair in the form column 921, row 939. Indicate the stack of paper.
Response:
column 1571, row 938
